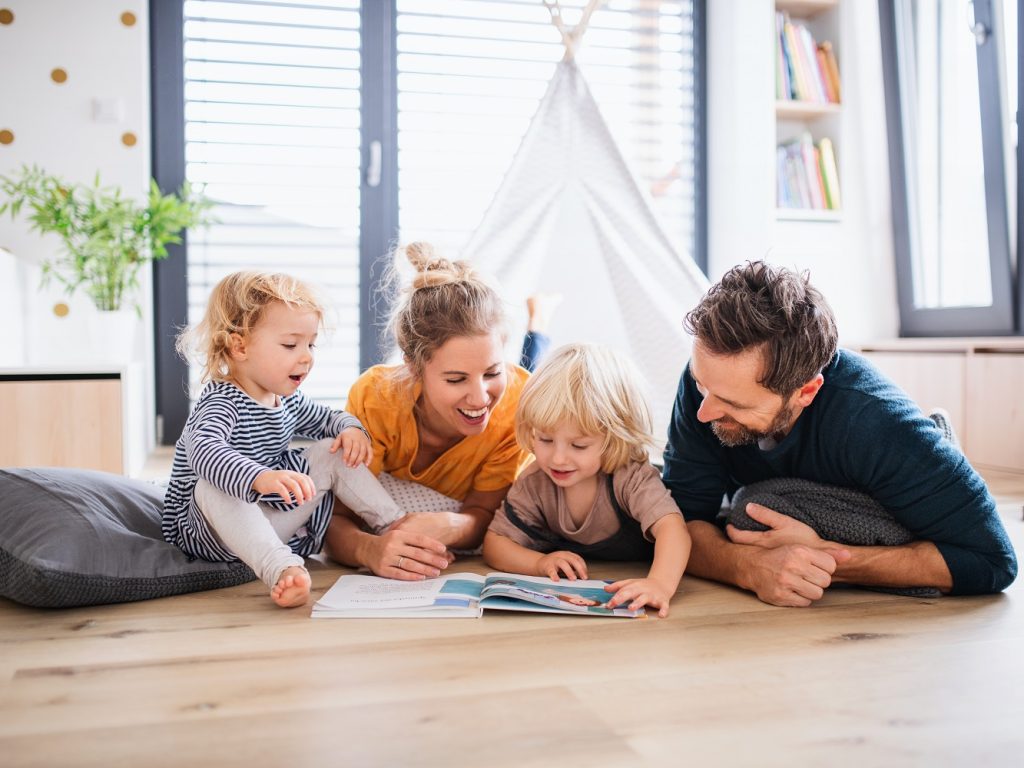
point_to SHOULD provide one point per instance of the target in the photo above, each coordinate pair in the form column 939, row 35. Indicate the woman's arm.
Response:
column 396, row 554
column 459, row 530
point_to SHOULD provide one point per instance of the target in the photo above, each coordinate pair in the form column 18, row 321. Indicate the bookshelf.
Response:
column 808, row 108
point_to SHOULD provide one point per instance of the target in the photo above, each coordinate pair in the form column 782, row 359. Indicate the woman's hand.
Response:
column 406, row 555
column 569, row 563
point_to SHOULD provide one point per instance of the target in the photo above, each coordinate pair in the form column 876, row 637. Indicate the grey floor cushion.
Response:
column 72, row 537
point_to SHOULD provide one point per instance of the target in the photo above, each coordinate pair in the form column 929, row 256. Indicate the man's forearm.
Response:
column 918, row 564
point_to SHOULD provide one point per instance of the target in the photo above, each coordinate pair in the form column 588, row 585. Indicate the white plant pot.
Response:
column 112, row 335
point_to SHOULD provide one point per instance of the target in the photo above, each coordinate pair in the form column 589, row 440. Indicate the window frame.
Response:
column 378, row 202
column 998, row 318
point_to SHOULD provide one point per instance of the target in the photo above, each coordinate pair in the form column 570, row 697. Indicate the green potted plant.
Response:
column 107, row 237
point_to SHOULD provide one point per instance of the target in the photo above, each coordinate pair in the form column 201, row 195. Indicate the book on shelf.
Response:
column 830, row 173
column 464, row 595
column 807, row 175
column 832, row 69
column 805, row 69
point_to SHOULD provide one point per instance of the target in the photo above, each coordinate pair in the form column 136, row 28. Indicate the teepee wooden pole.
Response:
column 567, row 39
column 571, row 38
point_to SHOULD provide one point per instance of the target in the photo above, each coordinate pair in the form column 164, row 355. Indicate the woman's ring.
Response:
column 399, row 566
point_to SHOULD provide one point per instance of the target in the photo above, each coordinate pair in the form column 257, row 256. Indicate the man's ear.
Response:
column 237, row 346
column 806, row 394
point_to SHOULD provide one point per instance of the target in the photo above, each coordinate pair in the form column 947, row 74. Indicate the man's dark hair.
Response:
column 758, row 305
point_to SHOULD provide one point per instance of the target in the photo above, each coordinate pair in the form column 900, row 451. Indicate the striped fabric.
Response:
column 228, row 440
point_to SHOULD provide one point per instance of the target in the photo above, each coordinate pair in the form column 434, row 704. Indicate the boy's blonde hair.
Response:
column 236, row 305
column 445, row 299
column 595, row 389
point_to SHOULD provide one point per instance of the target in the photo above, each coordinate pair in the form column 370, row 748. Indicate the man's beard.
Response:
column 736, row 434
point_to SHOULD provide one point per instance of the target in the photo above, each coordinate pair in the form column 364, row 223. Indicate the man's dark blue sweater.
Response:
column 860, row 432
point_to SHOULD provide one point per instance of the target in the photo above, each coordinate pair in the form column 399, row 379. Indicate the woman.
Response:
column 444, row 418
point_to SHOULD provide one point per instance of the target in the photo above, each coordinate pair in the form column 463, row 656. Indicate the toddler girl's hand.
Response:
column 641, row 592
column 355, row 447
column 286, row 484
column 569, row 563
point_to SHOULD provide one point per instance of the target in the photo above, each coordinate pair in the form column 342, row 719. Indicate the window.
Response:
column 471, row 74
column 951, row 142
column 326, row 129
column 272, row 131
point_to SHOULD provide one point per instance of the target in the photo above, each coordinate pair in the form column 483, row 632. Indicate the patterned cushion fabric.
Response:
column 72, row 537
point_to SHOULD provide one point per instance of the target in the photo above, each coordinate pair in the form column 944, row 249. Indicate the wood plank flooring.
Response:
column 226, row 678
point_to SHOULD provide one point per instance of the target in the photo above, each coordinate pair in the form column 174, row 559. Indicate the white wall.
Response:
column 850, row 260
column 54, row 127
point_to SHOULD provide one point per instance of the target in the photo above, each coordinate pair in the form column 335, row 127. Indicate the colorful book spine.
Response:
column 825, row 79
column 783, row 195
column 810, row 168
column 832, row 69
column 830, row 174
column 783, row 89
column 809, row 54
column 802, row 88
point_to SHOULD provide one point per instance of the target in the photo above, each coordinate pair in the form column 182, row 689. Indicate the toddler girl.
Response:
column 591, row 491
column 237, row 490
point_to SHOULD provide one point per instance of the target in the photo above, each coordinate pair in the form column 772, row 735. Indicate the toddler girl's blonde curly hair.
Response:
column 236, row 305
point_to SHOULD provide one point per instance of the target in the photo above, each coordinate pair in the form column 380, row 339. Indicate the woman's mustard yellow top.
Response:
column 488, row 461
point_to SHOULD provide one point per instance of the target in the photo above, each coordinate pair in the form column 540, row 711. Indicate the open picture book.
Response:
column 464, row 595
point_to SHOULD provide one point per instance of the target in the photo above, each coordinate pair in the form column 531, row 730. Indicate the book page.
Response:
column 358, row 591
column 562, row 596
column 362, row 593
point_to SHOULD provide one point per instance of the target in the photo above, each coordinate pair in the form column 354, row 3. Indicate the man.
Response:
column 768, row 395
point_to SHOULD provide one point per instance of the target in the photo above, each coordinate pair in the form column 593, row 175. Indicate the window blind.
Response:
column 472, row 72
column 272, row 131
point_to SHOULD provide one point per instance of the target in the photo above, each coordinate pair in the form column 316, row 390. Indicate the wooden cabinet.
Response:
column 64, row 418
column 979, row 381
column 995, row 396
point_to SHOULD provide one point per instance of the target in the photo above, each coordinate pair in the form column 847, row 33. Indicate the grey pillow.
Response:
column 72, row 537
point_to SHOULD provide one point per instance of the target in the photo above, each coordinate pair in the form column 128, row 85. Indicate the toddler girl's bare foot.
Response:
column 292, row 588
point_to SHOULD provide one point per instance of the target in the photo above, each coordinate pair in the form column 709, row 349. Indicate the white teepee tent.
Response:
column 570, row 217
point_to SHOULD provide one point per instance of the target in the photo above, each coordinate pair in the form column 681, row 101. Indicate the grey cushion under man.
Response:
column 836, row 514
column 72, row 537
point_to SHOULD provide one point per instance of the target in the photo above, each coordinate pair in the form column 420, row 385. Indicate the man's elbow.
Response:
column 1004, row 573
column 1000, row 573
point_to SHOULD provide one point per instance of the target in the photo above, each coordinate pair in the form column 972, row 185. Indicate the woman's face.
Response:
column 462, row 384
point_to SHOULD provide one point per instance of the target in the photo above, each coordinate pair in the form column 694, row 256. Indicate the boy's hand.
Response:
column 355, row 447
column 641, row 592
column 569, row 563
column 290, row 486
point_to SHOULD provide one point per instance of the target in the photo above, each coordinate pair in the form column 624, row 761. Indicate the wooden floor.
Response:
column 226, row 678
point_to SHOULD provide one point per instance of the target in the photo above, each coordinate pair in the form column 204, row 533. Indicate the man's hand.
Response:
column 792, row 575
column 355, row 447
column 290, row 486
column 782, row 530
